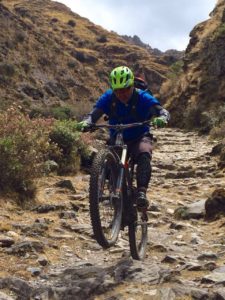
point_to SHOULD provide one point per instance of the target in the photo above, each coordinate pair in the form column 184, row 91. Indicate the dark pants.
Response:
column 140, row 146
column 141, row 151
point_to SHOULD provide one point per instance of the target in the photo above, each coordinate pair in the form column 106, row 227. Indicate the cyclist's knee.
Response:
column 144, row 156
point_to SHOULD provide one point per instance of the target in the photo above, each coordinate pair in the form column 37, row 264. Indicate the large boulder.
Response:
column 215, row 204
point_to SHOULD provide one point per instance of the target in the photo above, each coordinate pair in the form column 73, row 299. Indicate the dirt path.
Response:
column 48, row 252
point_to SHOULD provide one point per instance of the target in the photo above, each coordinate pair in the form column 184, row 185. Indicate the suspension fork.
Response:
column 122, row 164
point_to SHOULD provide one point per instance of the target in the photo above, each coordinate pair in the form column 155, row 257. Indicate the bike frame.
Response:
column 125, row 172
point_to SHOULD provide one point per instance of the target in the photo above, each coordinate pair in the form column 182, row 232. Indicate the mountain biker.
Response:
column 125, row 104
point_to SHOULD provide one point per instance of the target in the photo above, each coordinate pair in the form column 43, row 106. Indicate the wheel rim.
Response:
column 140, row 235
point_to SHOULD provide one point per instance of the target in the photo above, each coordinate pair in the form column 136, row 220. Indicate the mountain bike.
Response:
column 112, row 195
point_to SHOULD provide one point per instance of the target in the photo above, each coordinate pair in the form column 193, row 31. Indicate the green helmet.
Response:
column 121, row 77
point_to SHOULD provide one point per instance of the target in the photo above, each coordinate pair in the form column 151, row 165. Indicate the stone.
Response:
column 3, row 296
column 42, row 260
column 22, row 248
column 218, row 278
column 195, row 211
column 6, row 241
column 206, row 256
column 66, row 184
column 34, row 271
column 67, row 214
column 45, row 208
column 215, row 204
column 169, row 259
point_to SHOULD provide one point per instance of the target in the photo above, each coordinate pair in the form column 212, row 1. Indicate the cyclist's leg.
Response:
column 141, row 151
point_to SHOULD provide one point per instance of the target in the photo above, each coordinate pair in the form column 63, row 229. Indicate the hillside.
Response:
column 195, row 97
column 50, row 56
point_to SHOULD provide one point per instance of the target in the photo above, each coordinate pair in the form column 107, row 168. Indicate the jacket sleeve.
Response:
column 101, row 107
column 159, row 111
column 94, row 115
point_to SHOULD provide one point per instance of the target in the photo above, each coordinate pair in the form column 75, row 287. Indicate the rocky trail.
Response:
column 47, row 250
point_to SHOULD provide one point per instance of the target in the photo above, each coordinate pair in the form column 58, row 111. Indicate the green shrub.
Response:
column 102, row 39
column 219, row 32
column 58, row 113
column 61, row 113
column 71, row 23
column 20, row 36
column 24, row 146
column 7, row 69
column 218, row 132
column 65, row 135
column 176, row 69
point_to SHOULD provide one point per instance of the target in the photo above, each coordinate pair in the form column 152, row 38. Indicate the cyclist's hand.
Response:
column 83, row 126
column 159, row 122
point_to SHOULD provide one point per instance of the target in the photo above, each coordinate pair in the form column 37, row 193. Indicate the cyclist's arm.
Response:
column 94, row 115
column 159, row 111
column 101, row 107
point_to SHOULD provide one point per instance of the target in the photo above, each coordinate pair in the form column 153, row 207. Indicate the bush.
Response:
column 102, row 39
column 218, row 132
column 176, row 69
column 65, row 135
column 24, row 146
column 7, row 70
column 61, row 113
column 20, row 36
column 71, row 23
column 57, row 112
column 54, row 20
column 219, row 32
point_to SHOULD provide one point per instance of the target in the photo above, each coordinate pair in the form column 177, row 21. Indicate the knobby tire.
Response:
column 103, row 161
column 138, row 236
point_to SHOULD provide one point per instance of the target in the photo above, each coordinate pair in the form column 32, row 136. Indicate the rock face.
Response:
column 51, row 56
column 196, row 97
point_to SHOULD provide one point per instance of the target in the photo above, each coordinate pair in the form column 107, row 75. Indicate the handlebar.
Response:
column 119, row 127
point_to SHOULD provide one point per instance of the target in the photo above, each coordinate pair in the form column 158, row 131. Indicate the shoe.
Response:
column 142, row 201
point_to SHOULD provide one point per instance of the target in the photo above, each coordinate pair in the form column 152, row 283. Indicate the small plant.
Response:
column 72, row 64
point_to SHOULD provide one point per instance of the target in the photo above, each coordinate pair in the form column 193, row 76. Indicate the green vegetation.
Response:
column 65, row 135
column 6, row 71
column 219, row 32
column 24, row 145
column 176, row 69
column 56, row 112
column 27, row 145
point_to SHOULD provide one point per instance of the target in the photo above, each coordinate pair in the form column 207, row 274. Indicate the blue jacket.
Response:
column 123, row 114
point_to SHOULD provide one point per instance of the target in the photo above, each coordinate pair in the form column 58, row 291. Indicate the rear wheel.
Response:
column 105, row 208
column 138, row 234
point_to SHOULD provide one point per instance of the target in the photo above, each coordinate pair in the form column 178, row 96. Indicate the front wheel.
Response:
column 105, row 207
column 138, row 234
